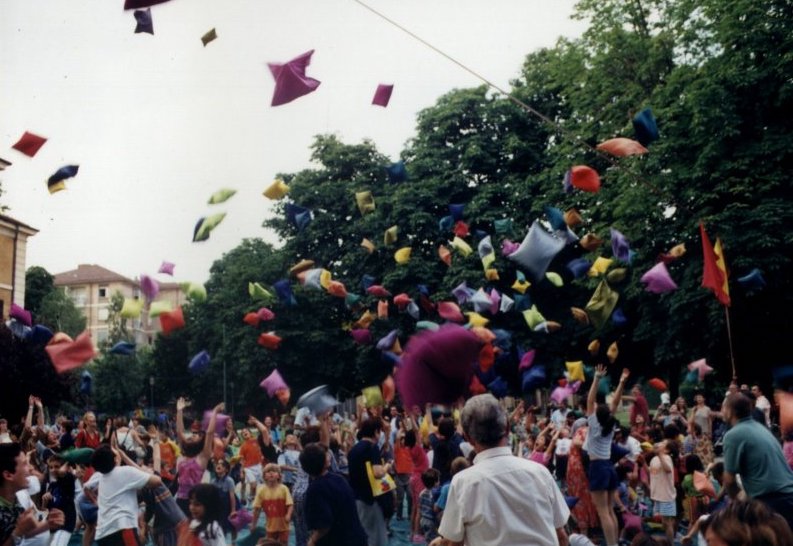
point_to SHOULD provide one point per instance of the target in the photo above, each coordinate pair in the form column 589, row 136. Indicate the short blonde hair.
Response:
column 272, row 467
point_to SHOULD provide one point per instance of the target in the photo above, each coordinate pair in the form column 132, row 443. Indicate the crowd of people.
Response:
column 479, row 472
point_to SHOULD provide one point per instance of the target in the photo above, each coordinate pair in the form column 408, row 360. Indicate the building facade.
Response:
column 13, row 252
column 91, row 287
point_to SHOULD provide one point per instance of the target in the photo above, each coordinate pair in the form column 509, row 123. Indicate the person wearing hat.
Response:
column 289, row 460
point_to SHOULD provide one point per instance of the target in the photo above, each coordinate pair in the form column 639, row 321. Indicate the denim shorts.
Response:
column 602, row 476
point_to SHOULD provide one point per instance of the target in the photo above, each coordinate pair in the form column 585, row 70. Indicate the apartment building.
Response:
column 91, row 286
column 13, row 250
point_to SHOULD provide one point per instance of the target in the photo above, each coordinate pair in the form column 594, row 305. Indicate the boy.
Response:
column 251, row 455
column 60, row 495
column 427, row 519
column 276, row 500
column 458, row 465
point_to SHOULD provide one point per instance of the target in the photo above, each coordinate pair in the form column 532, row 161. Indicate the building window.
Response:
column 79, row 296
column 101, row 336
column 103, row 291
column 103, row 314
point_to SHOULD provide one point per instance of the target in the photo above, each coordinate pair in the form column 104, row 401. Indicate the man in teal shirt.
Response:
column 751, row 451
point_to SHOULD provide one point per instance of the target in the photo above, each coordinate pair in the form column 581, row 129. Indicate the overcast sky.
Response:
column 158, row 123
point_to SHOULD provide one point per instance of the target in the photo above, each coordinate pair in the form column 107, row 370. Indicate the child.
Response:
column 276, row 500
column 544, row 448
column 289, row 460
column 694, row 502
column 205, row 511
column 427, row 519
column 563, row 445
column 662, row 488
column 228, row 500
column 60, row 495
column 458, row 465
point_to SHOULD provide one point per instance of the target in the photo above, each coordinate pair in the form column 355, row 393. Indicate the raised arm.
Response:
column 181, row 404
column 156, row 458
column 552, row 444
column 615, row 402
column 324, row 428
column 264, row 432
column 591, row 398
column 40, row 415
column 29, row 416
column 209, row 436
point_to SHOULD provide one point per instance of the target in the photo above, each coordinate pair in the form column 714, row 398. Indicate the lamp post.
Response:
column 151, row 393
column 231, row 409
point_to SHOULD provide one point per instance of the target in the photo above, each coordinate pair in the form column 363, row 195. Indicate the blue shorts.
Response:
column 666, row 509
column 88, row 511
column 602, row 476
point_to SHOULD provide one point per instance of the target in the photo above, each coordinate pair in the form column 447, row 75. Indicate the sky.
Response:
column 158, row 123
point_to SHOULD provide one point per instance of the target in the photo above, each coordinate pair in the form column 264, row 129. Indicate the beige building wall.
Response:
column 91, row 287
column 13, row 255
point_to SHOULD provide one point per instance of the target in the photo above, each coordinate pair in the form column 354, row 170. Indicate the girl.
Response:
column 420, row 464
column 205, row 514
column 695, row 502
column 544, row 448
column 602, row 476
column 662, row 488
column 197, row 452
column 583, row 512
column 228, row 500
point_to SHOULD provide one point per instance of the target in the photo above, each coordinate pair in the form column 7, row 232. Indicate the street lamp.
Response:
column 231, row 412
column 151, row 391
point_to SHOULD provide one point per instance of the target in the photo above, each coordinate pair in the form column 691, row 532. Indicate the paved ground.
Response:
column 400, row 537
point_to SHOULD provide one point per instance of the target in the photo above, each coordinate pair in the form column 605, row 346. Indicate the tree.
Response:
column 26, row 369
column 38, row 284
column 716, row 75
column 119, row 381
column 58, row 312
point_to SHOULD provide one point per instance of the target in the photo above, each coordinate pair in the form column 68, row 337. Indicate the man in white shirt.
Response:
column 559, row 415
column 502, row 500
column 762, row 403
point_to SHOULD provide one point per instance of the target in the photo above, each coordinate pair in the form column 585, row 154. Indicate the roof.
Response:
column 17, row 223
column 90, row 274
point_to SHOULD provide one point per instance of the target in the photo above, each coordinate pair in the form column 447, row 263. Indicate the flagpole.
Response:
column 729, row 340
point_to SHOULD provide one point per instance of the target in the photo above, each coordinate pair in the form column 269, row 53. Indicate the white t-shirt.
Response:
column 25, row 501
column 503, row 500
column 5, row 438
column 634, row 446
column 764, row 405
column 118, row 499
column 563, row 446
column 212, row 529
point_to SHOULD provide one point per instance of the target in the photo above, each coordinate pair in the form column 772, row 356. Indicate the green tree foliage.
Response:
column 58, row 312
column 26, row 369
column 119, row 381
column 38, row 283
column 716, row 75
